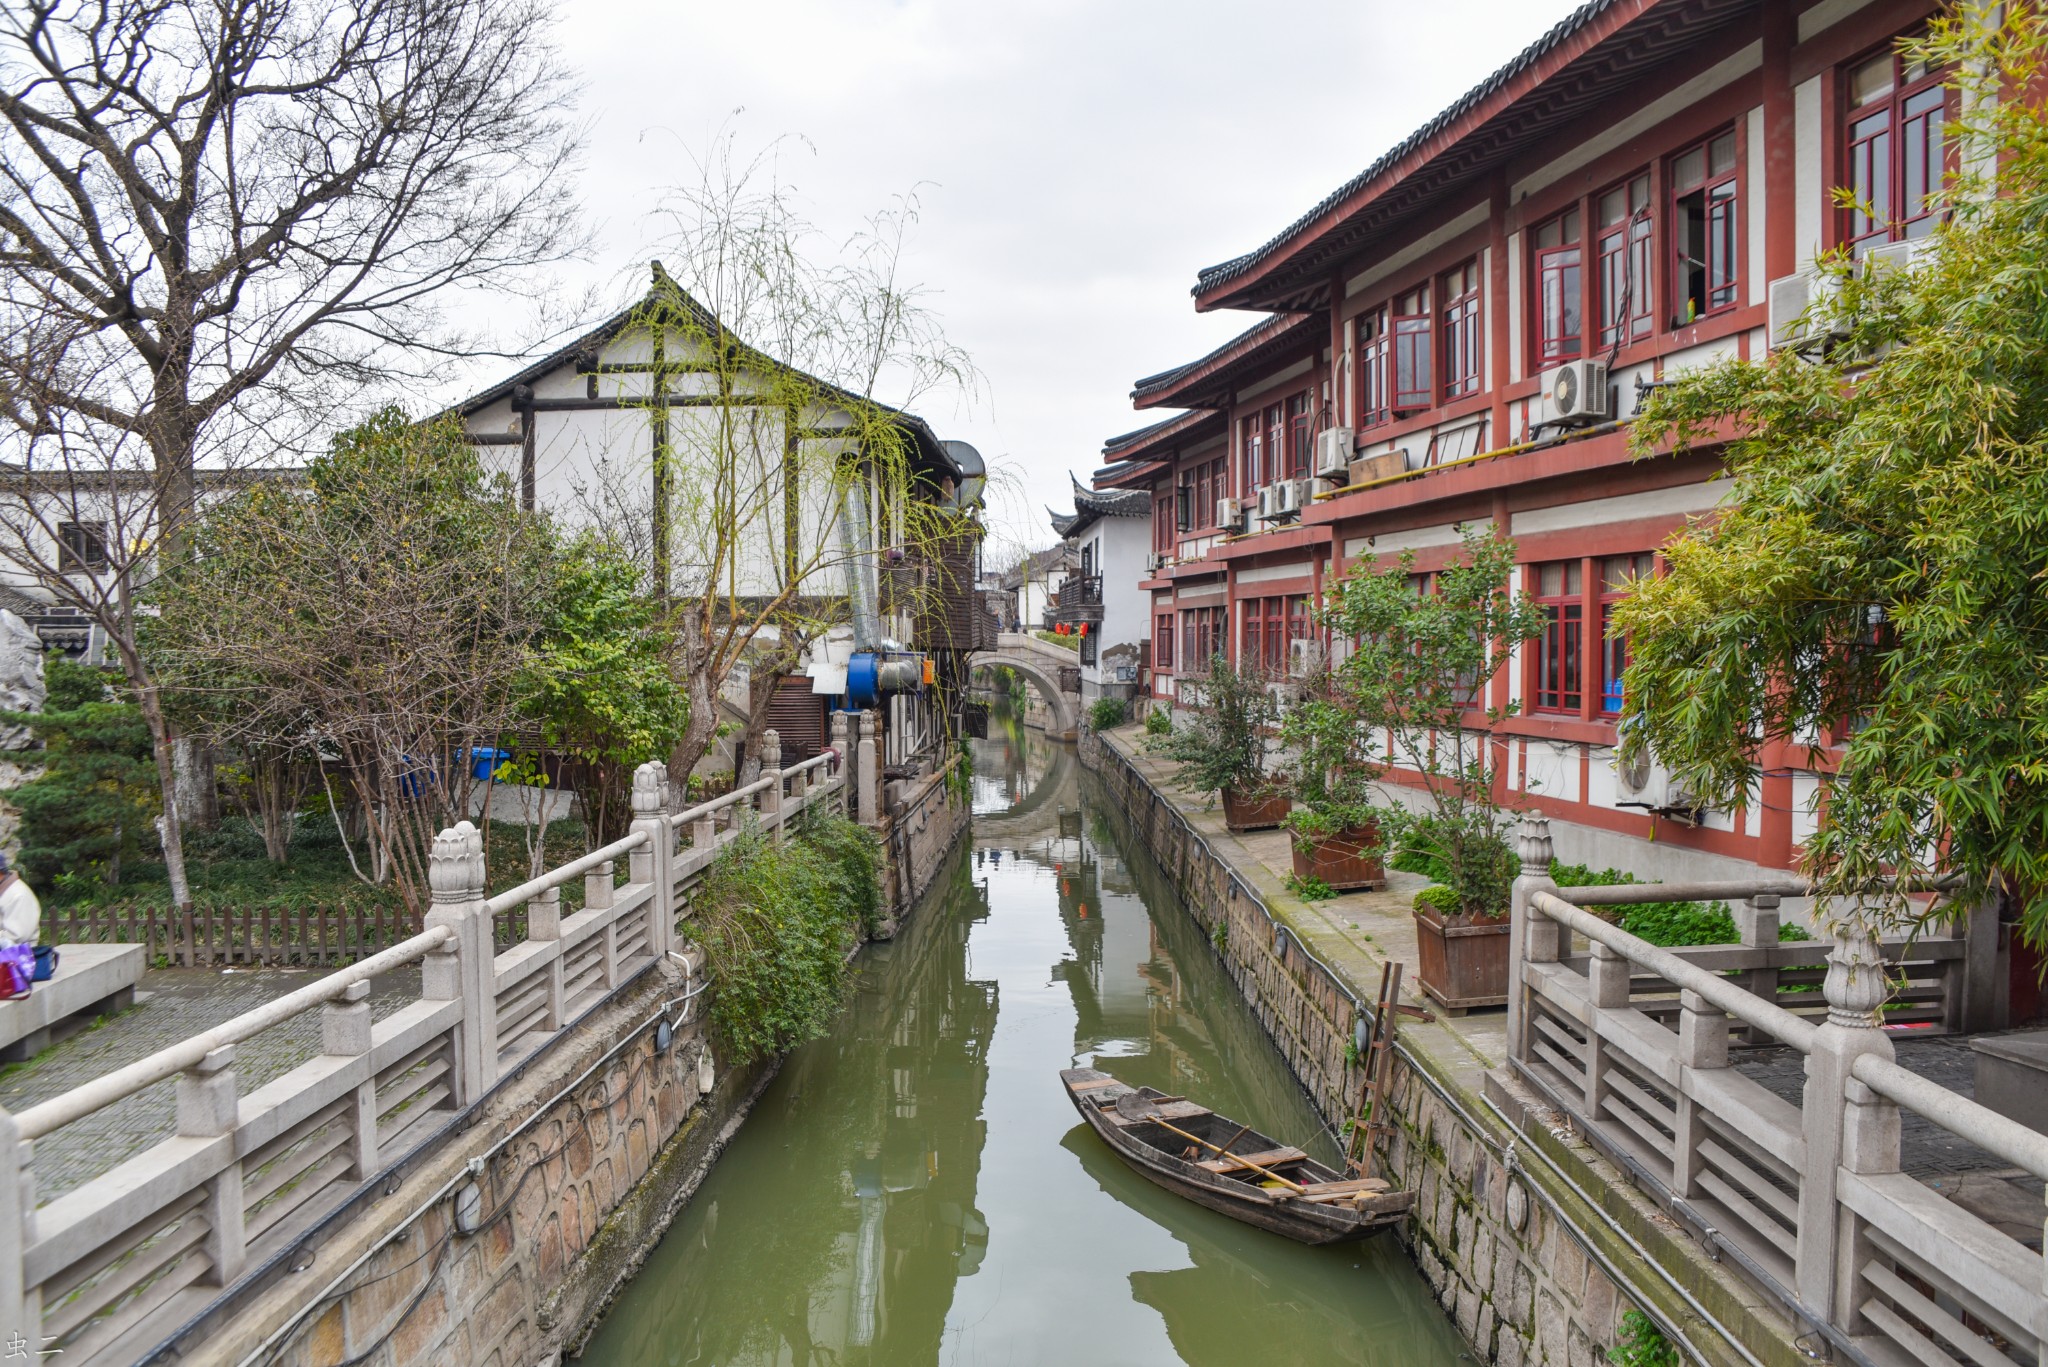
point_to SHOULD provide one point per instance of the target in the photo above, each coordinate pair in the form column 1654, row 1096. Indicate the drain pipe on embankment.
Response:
column 284, row 1333
column 1508, row 1154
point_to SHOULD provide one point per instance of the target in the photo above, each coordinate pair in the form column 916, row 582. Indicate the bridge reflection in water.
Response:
column 915, row 1189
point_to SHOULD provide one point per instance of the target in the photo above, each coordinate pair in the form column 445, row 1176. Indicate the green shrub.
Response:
column 777, row 922
column 1069, row 642
column 1440, row 898
column 1108, row 713
column 95, row 803
column 1159, row 722
column 1641, row 1344
column 1310, row 889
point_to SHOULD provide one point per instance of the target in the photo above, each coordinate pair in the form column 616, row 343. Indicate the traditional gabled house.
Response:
column 839, row 537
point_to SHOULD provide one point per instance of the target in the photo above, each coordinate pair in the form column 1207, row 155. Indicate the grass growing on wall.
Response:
column 777, row 922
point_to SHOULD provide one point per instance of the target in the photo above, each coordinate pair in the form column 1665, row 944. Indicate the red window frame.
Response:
column 1558, row 664
column 1618, row 576
column 1162, row 642
column 1276, row 635
column 1463, row 345
column 1413, row 352
column 1165, row 528
column 1249, row 647
column 1297, row 436
column 1622, row 260
column 1703, row 207
column 1251, row 440
column 1375, row 397
column 1559, row 276
column 1895, row 150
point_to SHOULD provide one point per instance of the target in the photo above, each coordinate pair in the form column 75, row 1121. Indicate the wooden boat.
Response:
column 1231, row 1168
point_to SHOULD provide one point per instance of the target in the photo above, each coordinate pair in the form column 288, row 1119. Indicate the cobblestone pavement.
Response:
column 1925, row 1149
column 171, row 1004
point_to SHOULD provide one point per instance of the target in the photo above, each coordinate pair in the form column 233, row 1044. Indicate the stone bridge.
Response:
column 1040, row 664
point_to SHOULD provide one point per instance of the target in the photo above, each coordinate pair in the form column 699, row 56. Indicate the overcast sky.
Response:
column 1079, row 161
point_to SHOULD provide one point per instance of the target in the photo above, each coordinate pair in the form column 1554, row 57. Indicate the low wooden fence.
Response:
column 1632, row 1043
column 306, row 936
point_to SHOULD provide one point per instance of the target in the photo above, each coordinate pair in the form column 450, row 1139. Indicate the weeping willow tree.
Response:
column 776, row 372
column 1878, row 588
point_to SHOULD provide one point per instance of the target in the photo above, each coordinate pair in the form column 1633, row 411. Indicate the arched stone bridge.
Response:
column 1040, row 664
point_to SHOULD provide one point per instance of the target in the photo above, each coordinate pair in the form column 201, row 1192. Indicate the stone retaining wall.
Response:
column 1518, row 1259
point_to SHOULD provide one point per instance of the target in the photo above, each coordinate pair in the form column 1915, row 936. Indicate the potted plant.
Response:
column 1414, row 681
column 1222, row 746
column 1337, row 823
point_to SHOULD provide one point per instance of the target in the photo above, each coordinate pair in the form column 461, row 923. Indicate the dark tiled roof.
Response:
column 1600, row 48
column 1206, row 383
column 1161, row 437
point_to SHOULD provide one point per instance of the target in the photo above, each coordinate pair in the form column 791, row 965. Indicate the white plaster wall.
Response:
column 1123, row 545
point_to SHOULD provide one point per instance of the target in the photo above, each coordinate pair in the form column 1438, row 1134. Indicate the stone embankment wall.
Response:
column 923, row 820
column 1513, row 1249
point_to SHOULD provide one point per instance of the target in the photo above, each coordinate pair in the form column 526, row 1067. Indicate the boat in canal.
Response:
column 1230, row 1168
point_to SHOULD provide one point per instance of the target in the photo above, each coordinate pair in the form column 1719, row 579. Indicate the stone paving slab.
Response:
column 171, row 1004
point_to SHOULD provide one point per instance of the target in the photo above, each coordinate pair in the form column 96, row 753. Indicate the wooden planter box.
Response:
column 1255, row 812
column 1344, row 861
column 1464, row 964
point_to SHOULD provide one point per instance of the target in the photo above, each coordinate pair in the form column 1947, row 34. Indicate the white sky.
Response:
column 1078, row 162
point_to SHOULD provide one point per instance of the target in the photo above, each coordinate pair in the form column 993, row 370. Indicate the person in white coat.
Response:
column 21, row 915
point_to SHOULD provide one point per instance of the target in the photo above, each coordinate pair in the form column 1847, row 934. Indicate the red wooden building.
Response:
column 1460, row 334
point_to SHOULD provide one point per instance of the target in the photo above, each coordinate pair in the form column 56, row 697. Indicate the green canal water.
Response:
column 915, row 1188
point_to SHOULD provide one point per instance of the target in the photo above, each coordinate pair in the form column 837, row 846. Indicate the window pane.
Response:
column 1721, row 155
column 1571, row 225
column 1550, row 581
column 1871, row 80
column 1613, row 207
column 1689, row 169
column 1639, row 193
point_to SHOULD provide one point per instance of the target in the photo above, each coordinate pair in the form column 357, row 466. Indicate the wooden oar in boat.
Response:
column 1134, row 1107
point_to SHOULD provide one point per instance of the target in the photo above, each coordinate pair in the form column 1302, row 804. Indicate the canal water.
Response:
column 915, row 1188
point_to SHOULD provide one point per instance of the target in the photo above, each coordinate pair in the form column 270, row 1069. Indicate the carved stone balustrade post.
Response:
column 1855, row 988
column 597, row 896
column 20, row 1304
column 544, row 922
column 772, row 795
column 345, row 1033
column 1532, row 937
column 841, row 747
column 461, row 970
column 207, row 1106
column 1756, row 927
column 868, row 774
column 654, row 861
column 1702, row 1045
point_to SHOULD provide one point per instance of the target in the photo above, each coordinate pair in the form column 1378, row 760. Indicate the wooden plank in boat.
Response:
column 1098, row 1082
column 1272, row 1158
column 1349, row 1187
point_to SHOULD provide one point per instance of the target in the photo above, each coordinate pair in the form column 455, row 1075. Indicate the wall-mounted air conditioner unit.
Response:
column 1293, row 493
column 1646, row 785
column 1895, row 255
column 1229, row 512
column 1304, row 659
column 1334, row 449
column 1269, row 501
column 1802, row 310
column 1578, row 393
column 1159, row 560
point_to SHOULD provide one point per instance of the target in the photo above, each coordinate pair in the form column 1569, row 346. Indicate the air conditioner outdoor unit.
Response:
column 1269, row 501
column 1304, row 658
column 1646, row 785
column 1895, row 255
column 1229, row 512
column 1159, row 560
column 1578, row 392
column 1333, row 452
column 1292, row 494
column 1802, row 308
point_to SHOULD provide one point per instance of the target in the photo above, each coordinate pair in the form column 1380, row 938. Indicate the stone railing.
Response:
column 109, row 1269
column 1633, row 1044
